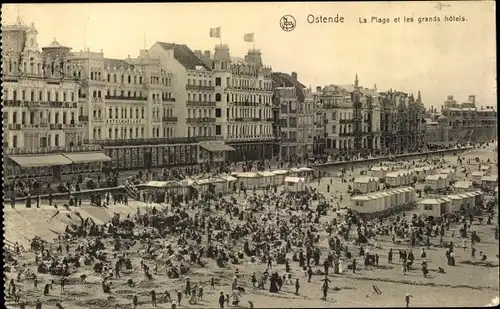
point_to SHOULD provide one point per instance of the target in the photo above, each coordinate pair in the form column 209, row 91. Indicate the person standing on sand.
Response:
column 407, row 299
column 297, row 286
column 221, row 300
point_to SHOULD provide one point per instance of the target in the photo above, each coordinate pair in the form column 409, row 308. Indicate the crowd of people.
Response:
column 277, row 231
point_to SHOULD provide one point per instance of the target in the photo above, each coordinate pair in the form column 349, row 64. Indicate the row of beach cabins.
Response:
column 384, row 200
column 433, row 176
column 294, row 179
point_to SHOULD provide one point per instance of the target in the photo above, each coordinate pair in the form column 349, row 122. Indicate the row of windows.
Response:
column 37, row 68
column 242, row 112
column 122, row 113
column 200, row 131
column 199, row 113
column 248, row 130
column 199, row 82
column 42, row 117
column 40, row 96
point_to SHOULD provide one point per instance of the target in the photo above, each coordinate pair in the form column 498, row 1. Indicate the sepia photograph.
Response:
column 250, row 155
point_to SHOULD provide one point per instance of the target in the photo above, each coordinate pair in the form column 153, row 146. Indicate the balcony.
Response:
column 196, row 103
column 82, row 96
column 270, row 119
column 80, row 148
column 35, row 126
column 200, row 120
column 289, row 140
column 152, row 141
column 345, row 134
column 249, row 139
column 72, row 126
column 56, row 126
column 123, row 98
column 169, row 119
column 83, row 118
column 199, row 87
column 39, row 104
column 169, row 100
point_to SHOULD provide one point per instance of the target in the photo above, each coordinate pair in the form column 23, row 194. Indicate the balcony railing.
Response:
column 345, row 121
column 39, row 104
column 199, row 87
column 83, row 118
column 152, row 141
column 198, row 103
column 80, row 148
column 200, row 120
column 169, row 119
column 169, row 100
column 109, row 97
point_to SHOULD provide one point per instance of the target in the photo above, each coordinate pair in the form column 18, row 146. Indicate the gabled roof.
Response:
column 117, row 63
column 286, row 80
column 184, row 55
column 55, row 44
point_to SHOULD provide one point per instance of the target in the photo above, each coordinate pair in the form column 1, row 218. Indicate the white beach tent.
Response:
column 279, row 176
column 268, row 178
column 366, row 184
column 230, row 180
column 249, row 179
column 295, row 184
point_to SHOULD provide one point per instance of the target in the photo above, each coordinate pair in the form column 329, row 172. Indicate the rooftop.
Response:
column 184, row 55
column 286, row 80
column 117, row 63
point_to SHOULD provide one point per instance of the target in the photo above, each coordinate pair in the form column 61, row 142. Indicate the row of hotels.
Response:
column 68, row 112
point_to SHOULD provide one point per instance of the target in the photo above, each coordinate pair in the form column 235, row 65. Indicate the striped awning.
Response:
column 41, row 160
column 87, row 157
column 217, row 147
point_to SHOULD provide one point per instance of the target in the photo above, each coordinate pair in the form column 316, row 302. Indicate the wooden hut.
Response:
column 279, row 176
column 230, row 181
column 450, row 172
column 366, row 184
column 457, row 203
column 363, row 204
column 379, row 171
column 462, row 186
column 394, row 179
column 432, row 207
column 489, row 183
column 249, row 180
column 476, row 178
column 436, row 182
column 295, row 184
column 468, row 201
column 267, row 178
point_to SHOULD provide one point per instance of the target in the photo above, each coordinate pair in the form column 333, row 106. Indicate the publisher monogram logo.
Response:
column 288, row 23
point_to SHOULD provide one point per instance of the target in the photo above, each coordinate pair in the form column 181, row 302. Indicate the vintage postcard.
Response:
column 250, row 155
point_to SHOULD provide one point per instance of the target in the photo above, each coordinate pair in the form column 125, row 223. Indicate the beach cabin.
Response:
column 294, row 172
column 457, row 203
column 249, row 180
column 486, row 169
column 230, row 181
column 363, row 204
column 410, row 194
column 450, row 172
column 462, row 186
column 432, row 207
column 295, row 184
column 436, row 182
column 378, row 201
column 379, row 171
column 476, row 177
column 420, row 173
column 489, row 183
column 267, row 178
column 467, row 201
column 170, row 186
column 366, row 184
column 478, row 197
column 204, row 184
column 394, row 179
column 279, row 176
column 448, row 204
column 386, row 198
column 306, row 172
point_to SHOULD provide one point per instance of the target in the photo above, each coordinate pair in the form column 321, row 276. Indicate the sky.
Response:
column 437, row 58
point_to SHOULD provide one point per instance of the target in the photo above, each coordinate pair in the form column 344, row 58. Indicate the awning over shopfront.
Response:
column 41, row 160
column 87, row 157
column 217, row 147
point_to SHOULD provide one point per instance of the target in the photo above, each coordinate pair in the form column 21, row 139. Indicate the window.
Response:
column 109, row 78
column 140, row 79
column 218, row 97
column 218, row 130
column 218, row 113
column 56, row 140
column 129, row 79
column 218, row 81
column 427, row 207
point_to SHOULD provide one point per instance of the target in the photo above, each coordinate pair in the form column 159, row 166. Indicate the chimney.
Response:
column 318, row 88
column 294, row 75
column 207, row 54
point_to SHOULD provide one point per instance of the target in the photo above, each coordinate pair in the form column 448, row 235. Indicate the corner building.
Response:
column 41, row 118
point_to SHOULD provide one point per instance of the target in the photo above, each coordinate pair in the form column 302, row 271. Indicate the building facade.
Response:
column 466, row 121
column 402, row 119
column 41, row 118
column 296, row 116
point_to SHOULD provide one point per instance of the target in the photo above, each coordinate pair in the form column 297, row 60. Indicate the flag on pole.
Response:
column 215, row 32
column 248, row 37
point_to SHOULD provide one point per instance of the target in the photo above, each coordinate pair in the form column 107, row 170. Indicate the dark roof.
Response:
column 117, row 63
column 283, row 79
column 184, row 55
